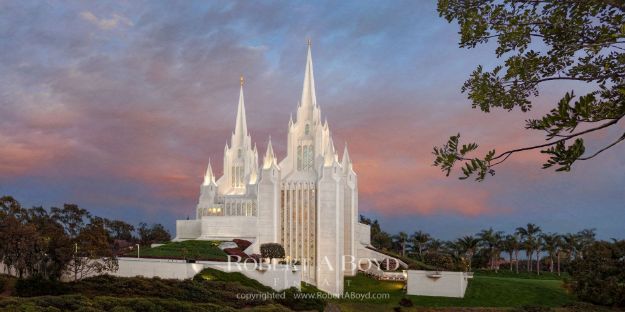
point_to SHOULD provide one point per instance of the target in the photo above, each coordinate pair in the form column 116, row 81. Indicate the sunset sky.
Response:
column 118, row 107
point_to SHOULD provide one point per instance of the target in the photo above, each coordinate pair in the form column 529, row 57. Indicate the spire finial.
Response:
column 309, row 99
column 240, row 128
column 242, row 80
column 309, row 42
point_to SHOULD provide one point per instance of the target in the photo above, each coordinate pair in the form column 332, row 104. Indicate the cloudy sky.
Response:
column 118, row 106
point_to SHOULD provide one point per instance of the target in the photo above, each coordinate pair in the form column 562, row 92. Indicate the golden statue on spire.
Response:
column 242, row 80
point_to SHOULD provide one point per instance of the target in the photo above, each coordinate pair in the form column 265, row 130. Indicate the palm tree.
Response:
column 512, row 245
column 401, row 239
column 491, row 240
column 559, row 246
column 419, row 240
column 468, row 245
column 570, row 244
column 454, row 248
column 585, row 237
column 435, row 246
column 529, row 234
column 551, row 244
column 538, row 246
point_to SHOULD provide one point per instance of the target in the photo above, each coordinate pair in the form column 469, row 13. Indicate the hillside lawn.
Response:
column 191, row 249
column 210, row 290
column 484, row 290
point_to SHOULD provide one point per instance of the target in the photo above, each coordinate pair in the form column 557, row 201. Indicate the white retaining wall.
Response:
column 229, row 227
column 449, row 284
column 163, row 268
column 277, row 276
column 188, row 229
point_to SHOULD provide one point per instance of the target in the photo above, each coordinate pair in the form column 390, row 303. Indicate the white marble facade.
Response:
column 308, row 201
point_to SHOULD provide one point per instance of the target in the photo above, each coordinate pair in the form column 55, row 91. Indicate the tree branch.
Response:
column 507, row 154
column 605, row 148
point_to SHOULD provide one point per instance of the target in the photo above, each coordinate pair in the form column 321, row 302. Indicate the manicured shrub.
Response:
column 256, row 257
column 31, row 287
column 295, row 302
column 405, row 302
column 272, row 251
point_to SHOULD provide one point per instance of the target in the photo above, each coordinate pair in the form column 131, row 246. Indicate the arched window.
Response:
column 237, row 176
column 307, row 129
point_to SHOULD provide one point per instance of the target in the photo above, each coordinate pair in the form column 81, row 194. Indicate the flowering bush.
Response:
column 242, row 244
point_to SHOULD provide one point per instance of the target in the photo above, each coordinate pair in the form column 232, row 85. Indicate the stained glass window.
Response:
column 307, row 158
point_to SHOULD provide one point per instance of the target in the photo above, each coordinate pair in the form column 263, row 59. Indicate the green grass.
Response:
column 233, row 277
column 483, row 291
column 191, row 249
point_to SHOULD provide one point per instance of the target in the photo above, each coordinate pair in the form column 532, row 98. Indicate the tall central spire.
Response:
column 240, row 130
column 309, row 98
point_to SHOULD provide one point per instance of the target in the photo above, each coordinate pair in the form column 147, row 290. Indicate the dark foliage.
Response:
column 599, row 276
column 272, row 251
column 405, row 302
column 542, row 42
column 106, row 303
column 298, row 304
column 37, row 286
column 440, row 261
column 152, row 234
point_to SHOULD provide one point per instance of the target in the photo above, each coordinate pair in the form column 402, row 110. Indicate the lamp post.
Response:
column 138, row 247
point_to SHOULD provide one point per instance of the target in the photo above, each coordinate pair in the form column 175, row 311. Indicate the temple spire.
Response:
column 346, row 162
column 329, row 155
column 346, row 159
column 270, row 158
column 209, row 177
column 308, row 91
column 240, row 129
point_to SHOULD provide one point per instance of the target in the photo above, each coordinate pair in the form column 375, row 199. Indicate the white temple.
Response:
column 308, row 201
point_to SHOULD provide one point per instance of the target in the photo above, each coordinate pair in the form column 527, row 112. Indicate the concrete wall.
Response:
column 176, row 269
column 363, row 233
column 188, row 229
column 229, row 227
column 278, row 277
column 449, row 284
